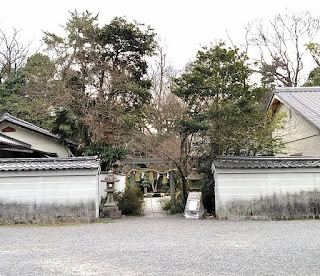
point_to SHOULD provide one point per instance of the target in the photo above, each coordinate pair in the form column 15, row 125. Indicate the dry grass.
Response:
column 303, row 205
column 15, row 213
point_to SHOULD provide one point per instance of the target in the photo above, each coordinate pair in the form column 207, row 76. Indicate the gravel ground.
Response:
column 166, row 246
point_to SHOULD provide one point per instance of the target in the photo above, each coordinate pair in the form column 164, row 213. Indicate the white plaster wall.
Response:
column 47, row 187
column 36, row 140
column 246, row 184
column 300, row 136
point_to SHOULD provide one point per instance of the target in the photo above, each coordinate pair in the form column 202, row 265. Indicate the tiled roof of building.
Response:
column 303, row 100
column 25, row 124
column 263, row 162
column 14, row 120
column 6, row 140
column 36, row 164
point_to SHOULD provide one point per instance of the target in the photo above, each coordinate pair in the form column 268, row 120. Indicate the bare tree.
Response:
column 13, row 53
column 281, row 44
column 165, row 107
column 161, row 73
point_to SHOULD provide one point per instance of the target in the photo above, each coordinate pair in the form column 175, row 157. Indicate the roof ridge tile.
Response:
column 25, row 164
column 266, row 162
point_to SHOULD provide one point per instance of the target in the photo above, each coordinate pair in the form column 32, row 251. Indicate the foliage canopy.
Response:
column 222, row 102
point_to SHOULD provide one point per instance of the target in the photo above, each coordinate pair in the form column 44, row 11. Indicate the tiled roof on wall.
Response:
column 263, row 162
column 38, row 164
column 303, row 100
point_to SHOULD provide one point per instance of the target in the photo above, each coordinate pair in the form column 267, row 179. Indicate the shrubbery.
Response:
column 130, row 202
column 106, row 153
column 174, row 209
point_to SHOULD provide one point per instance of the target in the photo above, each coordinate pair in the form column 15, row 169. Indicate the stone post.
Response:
column 132, row 182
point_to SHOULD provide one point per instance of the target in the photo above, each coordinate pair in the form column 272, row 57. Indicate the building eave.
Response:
column 6, row 117
column 278, row 97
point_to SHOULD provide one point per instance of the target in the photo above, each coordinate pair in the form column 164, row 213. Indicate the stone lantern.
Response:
column 194, row 178
column 145, row 184
column 110, row 179
column 110, row 208
column 194, row 206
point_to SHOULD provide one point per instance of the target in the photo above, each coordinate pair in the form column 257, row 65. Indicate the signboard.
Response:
column 194, row 207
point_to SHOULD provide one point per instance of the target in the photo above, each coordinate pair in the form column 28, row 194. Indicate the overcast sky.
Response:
column 184, row 24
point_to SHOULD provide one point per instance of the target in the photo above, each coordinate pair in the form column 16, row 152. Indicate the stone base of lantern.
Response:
column 111, row 212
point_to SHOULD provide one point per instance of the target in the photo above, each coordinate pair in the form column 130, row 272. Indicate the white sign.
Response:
column 193, row 205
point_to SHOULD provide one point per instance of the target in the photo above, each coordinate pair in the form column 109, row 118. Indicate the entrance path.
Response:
column 152, row 208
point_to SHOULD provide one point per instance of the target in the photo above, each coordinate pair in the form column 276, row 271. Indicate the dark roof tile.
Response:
column 6, row 140
column 304, row 100
column 263, row 162
column 38, row 164
column 14, row 120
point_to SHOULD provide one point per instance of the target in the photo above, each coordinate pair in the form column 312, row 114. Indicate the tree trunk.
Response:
column 183, row 168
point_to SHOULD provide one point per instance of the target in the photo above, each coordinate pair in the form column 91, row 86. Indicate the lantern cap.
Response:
column 110, row 178
column 194, row 175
